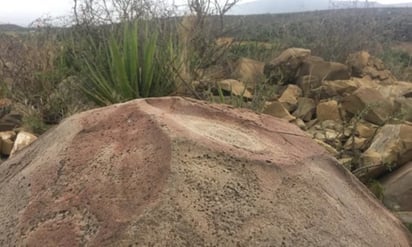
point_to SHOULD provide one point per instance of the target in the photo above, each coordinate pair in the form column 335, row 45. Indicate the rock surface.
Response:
column 390, row 148
column 179, row 172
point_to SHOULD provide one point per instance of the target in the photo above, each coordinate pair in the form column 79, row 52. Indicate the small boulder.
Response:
column 310, row 86
column 339, row 87
column 235, row 87
column 285, row 67
column 6, row 142
column 248, row 71
column 370, row 104
column 277, row 109
column 357, row 143
column 289, row 97
column 306, row 109
column 322, row 70
column 390, row 148
column 363, row 65
column 23, row 139
column 328, row 110
column 365, row 129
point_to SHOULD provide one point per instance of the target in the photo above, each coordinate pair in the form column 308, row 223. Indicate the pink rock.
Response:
column 180, row 172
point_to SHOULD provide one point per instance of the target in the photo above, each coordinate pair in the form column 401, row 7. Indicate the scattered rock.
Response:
column 306, row 109
column 328, row 110
column 356, row 143
column 277, row 109
column 322, row 70
column 235, row 87
column 390, row 148
column 285, row 67
column 6, row 142
column 370, row 104
column 23, row 139
column 363, row 65
column 173, row 171
column 289, row 97
column 339, row 87
column 249, row 71
column 365, row 130
column 310, row 86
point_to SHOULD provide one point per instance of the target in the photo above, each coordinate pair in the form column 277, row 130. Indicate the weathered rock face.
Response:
column 170, row 171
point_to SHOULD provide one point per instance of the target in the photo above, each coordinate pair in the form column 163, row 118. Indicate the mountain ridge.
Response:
column 287, row 6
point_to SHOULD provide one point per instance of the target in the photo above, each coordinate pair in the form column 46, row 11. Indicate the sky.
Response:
column 23, row 12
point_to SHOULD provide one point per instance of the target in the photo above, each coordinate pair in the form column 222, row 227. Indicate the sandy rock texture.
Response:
column 180, row 172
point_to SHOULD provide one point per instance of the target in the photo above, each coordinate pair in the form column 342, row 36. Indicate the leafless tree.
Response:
column 111, row 11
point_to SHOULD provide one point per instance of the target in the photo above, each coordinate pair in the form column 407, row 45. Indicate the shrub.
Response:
column 127, row 63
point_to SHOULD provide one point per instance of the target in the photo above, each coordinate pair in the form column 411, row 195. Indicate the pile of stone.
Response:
column 358, row 110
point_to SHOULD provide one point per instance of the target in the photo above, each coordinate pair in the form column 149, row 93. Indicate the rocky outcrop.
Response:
column 173, row 171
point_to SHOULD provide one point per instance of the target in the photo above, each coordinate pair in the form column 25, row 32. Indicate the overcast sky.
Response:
column 22, row 12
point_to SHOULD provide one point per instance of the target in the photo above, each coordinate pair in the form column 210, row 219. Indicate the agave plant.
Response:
column 129, row 65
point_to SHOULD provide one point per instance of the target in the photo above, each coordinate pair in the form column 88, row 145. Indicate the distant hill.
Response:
column 288, row 6
column 10, row 28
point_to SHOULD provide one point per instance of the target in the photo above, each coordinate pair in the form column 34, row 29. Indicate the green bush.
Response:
column 127, row 62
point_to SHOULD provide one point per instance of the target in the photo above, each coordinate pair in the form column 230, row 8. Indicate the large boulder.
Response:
column 179, row 172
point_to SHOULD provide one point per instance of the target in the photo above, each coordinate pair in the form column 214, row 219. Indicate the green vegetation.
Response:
column 132, row 54
column 129, row 65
